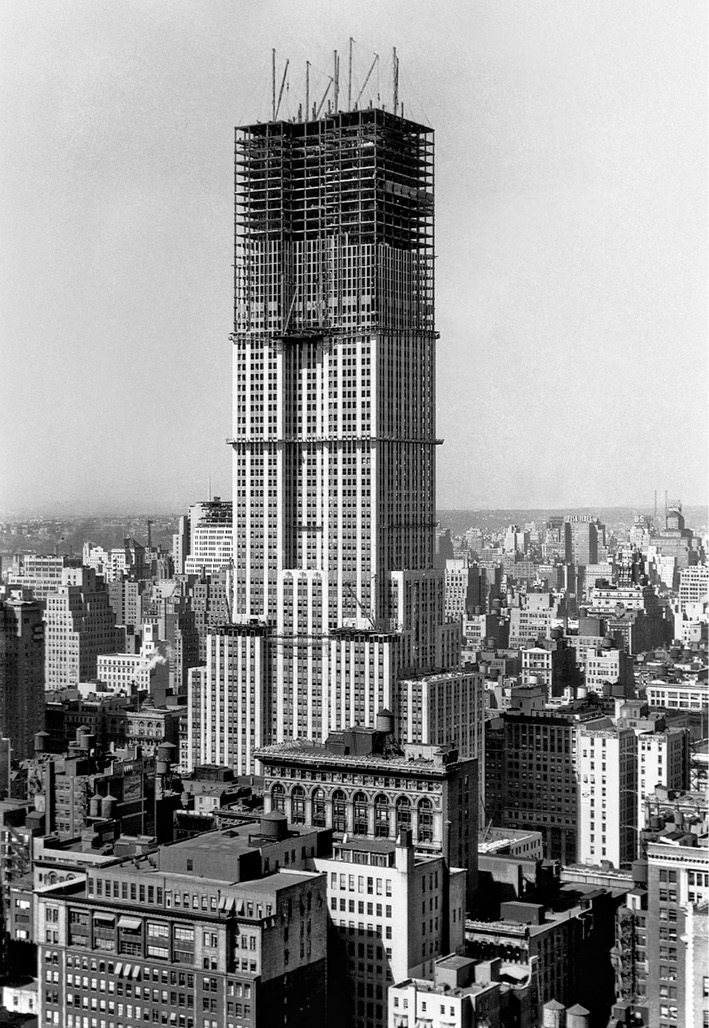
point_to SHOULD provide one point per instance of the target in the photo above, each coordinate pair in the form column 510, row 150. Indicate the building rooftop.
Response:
column 443, row 988
column 239, row 839
column 361, row 844
column 230, row 891
column 416, row 757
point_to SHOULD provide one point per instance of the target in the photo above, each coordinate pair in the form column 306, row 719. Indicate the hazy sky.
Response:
column 571, row 238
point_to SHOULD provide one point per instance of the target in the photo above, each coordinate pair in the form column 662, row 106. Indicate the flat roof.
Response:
column 316, row 753
column 368, row 845
column 237, row 839
column 454, row 961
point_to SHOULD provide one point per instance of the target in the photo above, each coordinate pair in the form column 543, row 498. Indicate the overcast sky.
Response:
column 571, row 144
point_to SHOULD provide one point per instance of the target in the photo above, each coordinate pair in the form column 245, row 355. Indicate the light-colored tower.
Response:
column 80, row 624
column 606, row 760
column 334, row 414
column 663, row 759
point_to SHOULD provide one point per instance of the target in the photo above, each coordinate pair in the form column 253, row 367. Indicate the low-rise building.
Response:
column 608, row 665
column 463, row 993
column 152, row 726
column 147, row 671
column 691, row 693
column 132, row 943
column 564, row 949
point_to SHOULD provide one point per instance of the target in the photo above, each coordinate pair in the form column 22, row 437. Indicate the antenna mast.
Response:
column 273, row 85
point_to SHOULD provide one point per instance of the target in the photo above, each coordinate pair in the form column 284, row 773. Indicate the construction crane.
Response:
column 368, row 614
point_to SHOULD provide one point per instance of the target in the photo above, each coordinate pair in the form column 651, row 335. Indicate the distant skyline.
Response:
column 571, row 238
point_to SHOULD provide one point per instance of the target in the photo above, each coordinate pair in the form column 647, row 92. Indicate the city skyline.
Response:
column 560, row 149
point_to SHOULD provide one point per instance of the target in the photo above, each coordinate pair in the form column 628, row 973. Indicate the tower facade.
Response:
column 334, row 415
column 80, row 625
column 21, row 671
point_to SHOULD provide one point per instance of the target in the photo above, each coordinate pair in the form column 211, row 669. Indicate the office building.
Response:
column 605, row 666
column 209, row 600
column 531, row 777
column 42, row 573
column 694, row 585
column 110, row 564
column 76, row 789
column 125, row 598
column 480, row 631
column 551, row 663
column 128, row 944
column 678, row 894
column 462, row 993
column 690, row 693
column 675, row 541
column 586, row 539
column 103, row 714
column 80, row 624
column 128, row 673
column 176, row 624
column 531, row 618
column 606, row 759
column 209, row 536
column 151, row 727
column 361, row 782
column 561, row 949
column 393, row 914
column 632, row 614
column 466, row 588
column 229, row 711
column 663, row 759
column 21, row 671
column 443, row 709
column 334, row 416
column 181, row 544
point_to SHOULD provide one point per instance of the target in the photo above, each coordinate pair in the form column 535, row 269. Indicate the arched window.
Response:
column 381, row 816
column 297, row 807
column 278, row 798
column 318, row 804
column 339, row 811
column 425, row 832
column 360, row 824
column 403, row 813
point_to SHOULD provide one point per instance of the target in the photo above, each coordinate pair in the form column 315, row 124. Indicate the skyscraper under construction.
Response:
column 335, row 595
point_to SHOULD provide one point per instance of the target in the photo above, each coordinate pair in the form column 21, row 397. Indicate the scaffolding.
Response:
column 334, row 226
